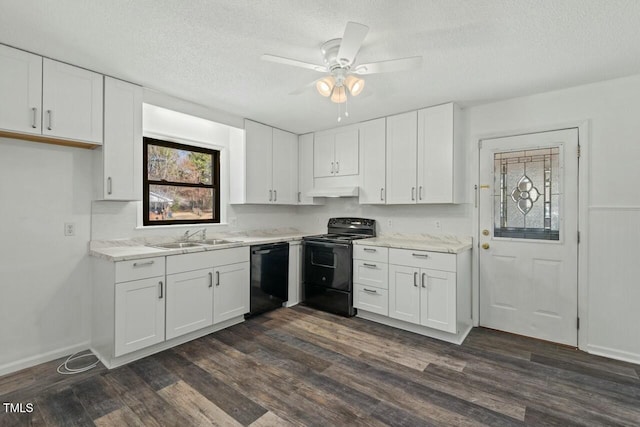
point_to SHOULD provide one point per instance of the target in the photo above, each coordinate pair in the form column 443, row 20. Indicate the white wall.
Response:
column 45, row 278
column 612, row 229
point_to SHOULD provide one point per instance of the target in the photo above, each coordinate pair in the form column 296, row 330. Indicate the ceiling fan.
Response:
column 339, row 63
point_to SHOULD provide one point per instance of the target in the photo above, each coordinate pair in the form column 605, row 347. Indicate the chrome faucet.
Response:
column 188, row 235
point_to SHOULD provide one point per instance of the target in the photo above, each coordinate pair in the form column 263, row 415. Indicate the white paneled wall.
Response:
column 45, row 278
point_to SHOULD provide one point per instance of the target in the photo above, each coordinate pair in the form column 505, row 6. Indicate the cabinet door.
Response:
column 435, row 154
column 139, row 314
column 122, row 147
column 71, row 102
column 285, row 167
column 21, row 89
column 305, row 169
column 401, row 158
column 404, row 293
column 372, row 162
column 259, row 167
column 438, row 300
column 347, row 147
column 323, row 154
column 231, row 291
column 189, row 301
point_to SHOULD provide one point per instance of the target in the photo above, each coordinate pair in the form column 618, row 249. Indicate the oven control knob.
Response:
column 324, row 279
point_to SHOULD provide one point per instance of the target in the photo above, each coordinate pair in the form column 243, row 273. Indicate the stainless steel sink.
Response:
column 177, row 245
column 215, row 242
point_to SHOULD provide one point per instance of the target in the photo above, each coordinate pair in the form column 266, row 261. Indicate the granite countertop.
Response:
column 425, row 242
column 142, row 247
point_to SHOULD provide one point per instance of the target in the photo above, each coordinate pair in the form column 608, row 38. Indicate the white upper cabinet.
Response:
column 305, row 170
column 401, row 158
column 439, row 156
column 71, row 102
column 52, row 101
column 424, row 158
column 372, row 162
column 271, row 165
column 285, row 167
column 335, row 152
column 21, row 89
column 120, row 159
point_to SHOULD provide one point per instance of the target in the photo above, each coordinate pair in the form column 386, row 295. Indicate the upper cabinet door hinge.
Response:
column 578, row 150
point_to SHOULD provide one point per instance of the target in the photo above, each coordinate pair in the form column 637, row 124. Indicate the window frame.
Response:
column 146, row 183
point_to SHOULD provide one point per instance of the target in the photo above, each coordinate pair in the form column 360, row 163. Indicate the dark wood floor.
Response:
column 303, row 367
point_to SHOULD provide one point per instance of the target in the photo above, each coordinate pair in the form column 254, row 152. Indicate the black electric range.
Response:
column 327, row 271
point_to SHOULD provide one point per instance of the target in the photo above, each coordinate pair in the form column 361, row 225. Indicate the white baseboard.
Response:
column 611, row 353
column 28, row 362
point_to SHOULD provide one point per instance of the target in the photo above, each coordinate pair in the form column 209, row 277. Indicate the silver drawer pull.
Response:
column 370, row 250
column 370, row 265
column 421, row 255
column 370, row 291
column 142, row 264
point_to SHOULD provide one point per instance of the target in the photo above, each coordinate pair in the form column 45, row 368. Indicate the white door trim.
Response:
column 584, row 165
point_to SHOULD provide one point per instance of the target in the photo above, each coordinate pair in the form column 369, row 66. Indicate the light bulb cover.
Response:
column 339, row 95
column 354, row 84
column 325, row 85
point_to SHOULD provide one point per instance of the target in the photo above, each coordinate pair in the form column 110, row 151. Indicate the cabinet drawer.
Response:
column 127, row 271
column 371, row 299
column 371, row 273
column 371, row 253
column 423, row 259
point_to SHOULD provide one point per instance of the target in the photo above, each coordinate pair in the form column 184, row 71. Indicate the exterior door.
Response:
column 528, row 222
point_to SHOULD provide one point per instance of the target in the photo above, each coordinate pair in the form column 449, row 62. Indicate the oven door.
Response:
column 327, row 264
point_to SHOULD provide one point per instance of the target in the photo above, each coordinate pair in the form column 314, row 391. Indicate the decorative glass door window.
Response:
column 527, row 194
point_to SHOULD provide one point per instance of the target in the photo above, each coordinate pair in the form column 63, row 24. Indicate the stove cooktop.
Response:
column 337, row 237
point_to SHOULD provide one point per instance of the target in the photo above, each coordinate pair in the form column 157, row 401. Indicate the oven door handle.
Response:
column 325, row 244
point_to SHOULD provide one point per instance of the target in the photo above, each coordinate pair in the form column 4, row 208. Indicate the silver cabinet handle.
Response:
column 381, row 196
column 420, row 193
column 421, row 255
column 210, row 279
column 270, row 195
column 109, row 185
column 142, row 264
column 337, row 167
column 475, row 196
column 369, row 250
column 275, row 195
column 217, row 278
column 413, row 193
column 299, row 196
column 423, row 275
column 332, row 168
column 415, row 279
column 50, row 127
column 34, row 123
column 370, row 265
column 161, row 291
column 371, row 291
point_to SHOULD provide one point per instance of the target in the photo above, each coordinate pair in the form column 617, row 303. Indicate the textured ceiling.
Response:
column 208, row 51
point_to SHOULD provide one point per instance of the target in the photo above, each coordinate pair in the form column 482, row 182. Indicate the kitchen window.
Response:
column 181, row 184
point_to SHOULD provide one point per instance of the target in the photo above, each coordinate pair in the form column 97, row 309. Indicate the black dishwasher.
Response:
column 269, row 277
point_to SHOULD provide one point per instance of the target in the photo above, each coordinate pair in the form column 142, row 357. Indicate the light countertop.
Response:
column 424, row 242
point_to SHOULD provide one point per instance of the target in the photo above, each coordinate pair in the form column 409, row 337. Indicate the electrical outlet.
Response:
column 390, row 223
column 438, row 226
column 69, row 228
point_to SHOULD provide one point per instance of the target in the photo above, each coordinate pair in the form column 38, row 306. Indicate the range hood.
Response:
column 334, row 192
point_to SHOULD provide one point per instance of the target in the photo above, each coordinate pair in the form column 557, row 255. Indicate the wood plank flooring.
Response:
column 302, row 367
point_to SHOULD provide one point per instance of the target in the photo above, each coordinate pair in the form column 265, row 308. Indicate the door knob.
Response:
column 485, row 232
column 485, row 246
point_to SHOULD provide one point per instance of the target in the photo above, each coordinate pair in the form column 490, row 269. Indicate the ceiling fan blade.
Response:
column 402, row 64
column 304, row 88
column 294, row 62
column 352, row 39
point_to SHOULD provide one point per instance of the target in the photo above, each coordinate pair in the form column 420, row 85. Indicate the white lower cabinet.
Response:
column 404, row 298
column 371, row 299
column 189, row 297
column 231, row 291
column 370, row 279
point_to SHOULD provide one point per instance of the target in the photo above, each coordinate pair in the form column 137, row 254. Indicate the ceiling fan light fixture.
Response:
column 339, row 95
column 354, row 84
column 325, row 85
